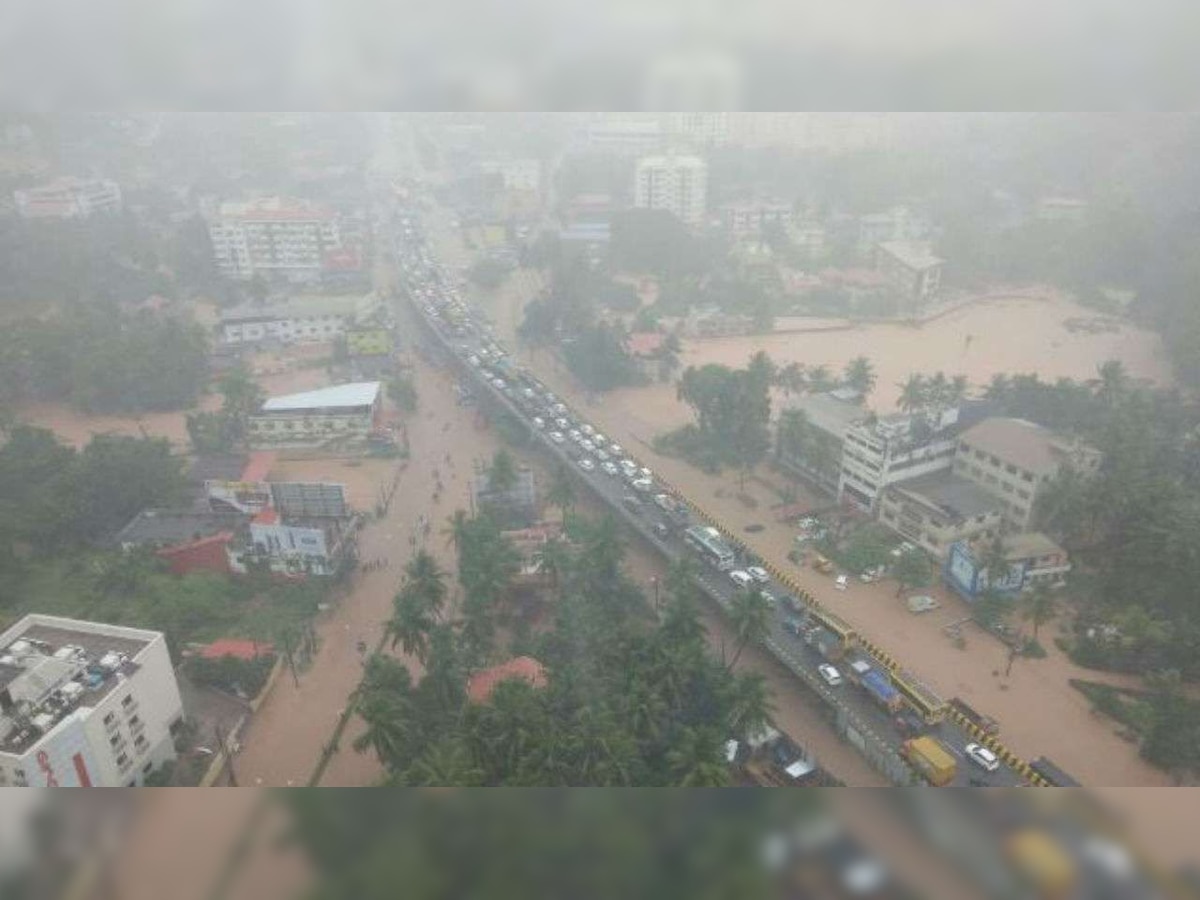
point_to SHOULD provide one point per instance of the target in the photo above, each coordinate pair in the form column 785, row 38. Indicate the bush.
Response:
column 688, row 443
column 1033, row 650
column 243, row 677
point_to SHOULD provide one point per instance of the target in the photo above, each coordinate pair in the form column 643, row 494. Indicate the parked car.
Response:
column 563, row 424
column 644, row 485
column 759, row 574
column 587, row 465
column 982, row 757
column 632, row 503
column 557, row 437
column 616, row 449
column 841, row 582
column 574, row 435
column 587, row 445
column 740, row 578
column 539, row 422
column 829, row 674
column 608, row 468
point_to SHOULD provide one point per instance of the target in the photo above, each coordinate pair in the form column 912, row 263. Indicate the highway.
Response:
column 467, row 340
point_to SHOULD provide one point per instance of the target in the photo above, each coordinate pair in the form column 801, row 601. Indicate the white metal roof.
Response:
column 359, row 393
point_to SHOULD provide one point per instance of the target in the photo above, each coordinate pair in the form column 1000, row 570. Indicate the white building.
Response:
column 623, row 135
column 274, row 236
column 913, row 273
column 84, row 704
column 69, row 198
column 297, row 319
column 678, row 184
column 316, row 418
column 750, row 217
column 520, row 175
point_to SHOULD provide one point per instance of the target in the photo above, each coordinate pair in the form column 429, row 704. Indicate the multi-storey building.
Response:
column 298, row 319
column 280, row 237
column 913, row 273
column 331, row 415
column 69, row 198
column 84, row 704
column 678, row 184
column 752, row 216
column 936, row 511
column 1014, row 459
column 811, row 434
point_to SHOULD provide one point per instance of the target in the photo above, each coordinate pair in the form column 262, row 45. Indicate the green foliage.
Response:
column 654, row 240
column 912, row 570
column 245, row 677
column 866, row 548
column 732, row 409
column 597, row 356
column 488, row 273
column 403, row 392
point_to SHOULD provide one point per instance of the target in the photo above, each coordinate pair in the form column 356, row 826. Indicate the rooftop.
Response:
column 833, row 412
column 298, row 307
column 339, row 396
column 1025, row 444
column 276, row 209
column 913, row 254
column 168, row 527
column 217, row 468
column 50, row 666
column 239, row 649
column 482, row 684
column 954, row 495
column 1030, row 544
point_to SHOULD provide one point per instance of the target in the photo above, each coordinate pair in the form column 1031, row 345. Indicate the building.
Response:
column 700, row 129
column 936, row 511
column 624, row 136
column 811, row 433
column 896, row 224
column 678, row 184
column 84, row 704
column 883, row 451
column 294, row 547
column 69, row 198
column 291, row 239
column 1014, row 459
column 298, row 319
column 188, row 540
column 753, row 217
column 518, row 175
column 914, row 274
column 1032, row 557
column 481, row 685
column 529, row 544
column 318, row 418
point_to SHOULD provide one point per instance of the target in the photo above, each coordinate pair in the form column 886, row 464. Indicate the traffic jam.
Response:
column 941, row 752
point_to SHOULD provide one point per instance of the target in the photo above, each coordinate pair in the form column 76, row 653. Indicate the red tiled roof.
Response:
column 266, row 516
column 482, row 684
column 240, row 649
column 258, row 466
column 642, row 343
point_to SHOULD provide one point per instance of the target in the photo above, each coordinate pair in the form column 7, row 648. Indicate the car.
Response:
column 829, row 674
column 616, row 449
column 563, row 424
column 574, row 435
column 769, row 598
column 644, row 485
column 905, row 547
column 627, row 466
column 740, row 578
column 499, row 383
column 982, row 757
column 601, row 455
column 759, row 574
column 646, row 473
column 557, row 437
column 793, row 626
column 559, row 409
column 632, row 503
column 587, row 445
column 528, row 393
column 475, row 360
column 608, row 468
column 599, row 439
column 587, row 429
column 841, row 582
column 587, row 465
column 539, row 423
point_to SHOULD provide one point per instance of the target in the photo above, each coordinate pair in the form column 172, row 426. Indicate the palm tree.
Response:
column 561, row 492
column 937, row 390
column 1038, row 607
column 411, row 623
column 385, row 703
column 999, row 388
column 790, row 379
column 820, row 380
column 957, row 391
column 751, row 619
column 1113, row 382
column 860, row 375
column 695, row 760
column 751, row 706
column 427, row 581
column 445, row 764
column 913, row 394
column 502, row 474
column 994, row 560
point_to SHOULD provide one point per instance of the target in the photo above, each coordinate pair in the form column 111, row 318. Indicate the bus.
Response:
column 1052, row 774
column 709, row 544
column 920, row 697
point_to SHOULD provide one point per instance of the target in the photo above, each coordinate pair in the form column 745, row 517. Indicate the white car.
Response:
column 615, row 449
column 475, row 360
column 557, row 437
column 587, row 429
column 646, row 473
column 628, row 467
column 599, row 439
column 840, row 582
column 769, row 598
column 602, row 456
column 643, row 485
column 562, row 424
column 587, row 465
column 574, row 435
column 499, row 383
column 740, row 578
column 608, row 468
column 587, row 446
column 759, row 574
column 982, row 757
column 829, row 674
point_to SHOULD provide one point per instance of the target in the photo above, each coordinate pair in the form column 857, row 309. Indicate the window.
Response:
column 115, row 739
column 1024, row 495
column 135, row 719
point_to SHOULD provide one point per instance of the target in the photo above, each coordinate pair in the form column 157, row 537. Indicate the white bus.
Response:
column 710, row 545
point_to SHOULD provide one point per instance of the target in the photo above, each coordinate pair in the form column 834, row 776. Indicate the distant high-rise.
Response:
column 69, row 198
column 678, row 184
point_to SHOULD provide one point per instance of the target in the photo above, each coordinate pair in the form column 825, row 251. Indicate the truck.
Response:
column 771, row 759
column 930, row 757
column 1042, row 862
column 880, row 689
column 986, row 724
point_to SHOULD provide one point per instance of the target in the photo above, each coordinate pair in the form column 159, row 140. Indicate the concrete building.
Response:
column 188, row 540
column 1032, row 557
column 84, row 704
column 69, row 198
column 317, row 418
column 519, row 175
column 914, row 274
column 294, row 547
column 623, row 136
column 678, row 184
column 896, row 224
column 300, row 320
column 887, row 450
column 295, row 240
column 751, row 217
column 1014, row 459
column 936, row 511
column 814, row 451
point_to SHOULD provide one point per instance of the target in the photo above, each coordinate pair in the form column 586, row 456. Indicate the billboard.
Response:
column 317, row 500
column 240, row 496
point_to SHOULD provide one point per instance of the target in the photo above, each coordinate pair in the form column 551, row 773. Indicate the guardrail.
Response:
column 931, row 707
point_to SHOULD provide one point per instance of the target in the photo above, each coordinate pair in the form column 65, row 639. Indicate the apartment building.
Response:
column 83, row 704
column 295, row 240
column 749, row 218
column 678, row 184
column 69, row 198
column 936, row 511
column 913, row 273
column 298, row 319
column 811, row 434
column 1014, row 459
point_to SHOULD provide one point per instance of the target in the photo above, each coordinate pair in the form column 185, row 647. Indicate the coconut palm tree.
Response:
column 937, row 390
column 445, row 764
column 751, row 706
column 998, row 388
column 913, row 394
column 502, row 473
column 820, row 380
column 791, row 379
column 561, row 492
column 695, row 760
column 411, row 623
column 751, row 618
column 1113, row 382
column 957, row 390
column 1038, row 607
column 427, row 581
column 860, row 375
